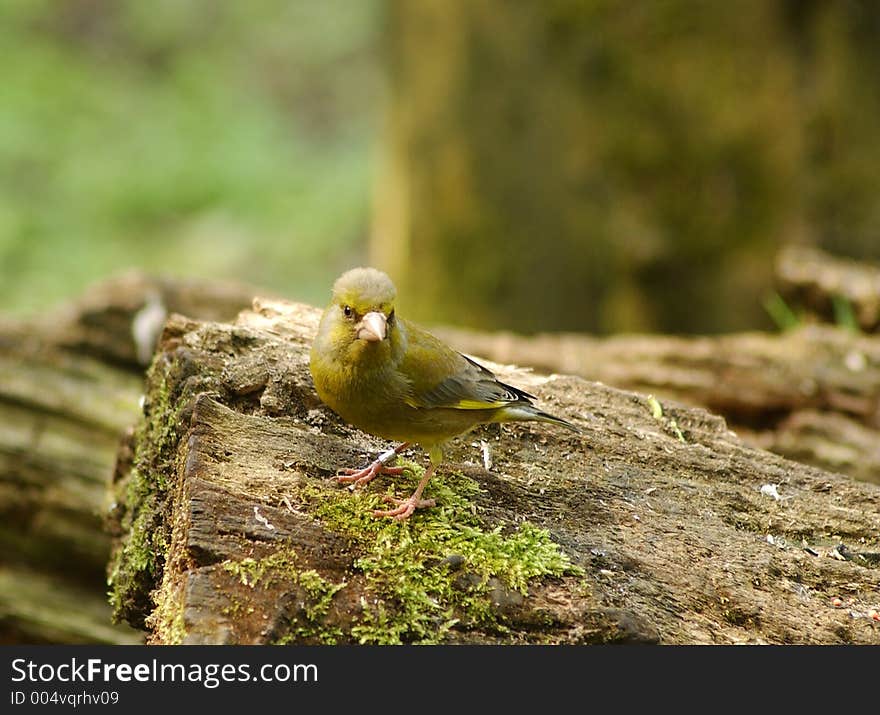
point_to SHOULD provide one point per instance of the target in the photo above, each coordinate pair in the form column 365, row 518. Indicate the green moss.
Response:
column 311, row 623
column 135, row 567
column 280, row 568
column 320, row 591
column 437, row 570
column 166, row 621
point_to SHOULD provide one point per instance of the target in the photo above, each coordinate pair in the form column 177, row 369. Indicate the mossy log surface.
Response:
column 70, row 382
column 811, row 394
column 657, row 524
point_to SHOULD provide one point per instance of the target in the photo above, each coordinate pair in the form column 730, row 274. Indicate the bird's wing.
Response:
column 442, row 377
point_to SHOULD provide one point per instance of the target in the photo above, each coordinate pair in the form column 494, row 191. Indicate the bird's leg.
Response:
column 359, row 477
column 405, row 507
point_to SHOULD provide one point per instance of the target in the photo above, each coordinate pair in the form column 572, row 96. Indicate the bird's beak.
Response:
column 372, row 327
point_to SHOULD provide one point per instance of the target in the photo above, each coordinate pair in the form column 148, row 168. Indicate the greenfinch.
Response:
column 394, row 380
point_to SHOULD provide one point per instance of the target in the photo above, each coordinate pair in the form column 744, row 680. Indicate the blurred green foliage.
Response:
column 191, row 137
column 570, row 164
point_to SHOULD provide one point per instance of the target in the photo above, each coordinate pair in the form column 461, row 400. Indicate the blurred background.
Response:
column 566, row 165
column 571, row 164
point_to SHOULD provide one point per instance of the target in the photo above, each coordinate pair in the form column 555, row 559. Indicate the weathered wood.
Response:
column 70, row 382
column 768, row 387
column 51, row 608
column 61, row 418
column 813, row 280
column 118, row 320
column 662, row 525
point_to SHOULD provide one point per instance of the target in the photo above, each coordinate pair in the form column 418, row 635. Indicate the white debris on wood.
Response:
column 771, row 490
column 855, row 361
column 262, row 519
column 777, row 541
column 146, row 326
column 487, row 455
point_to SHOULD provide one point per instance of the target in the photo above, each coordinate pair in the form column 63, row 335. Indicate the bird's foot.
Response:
column 405, row 507
column 360, row 477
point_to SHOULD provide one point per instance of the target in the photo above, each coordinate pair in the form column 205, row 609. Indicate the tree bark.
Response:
column 657, row 524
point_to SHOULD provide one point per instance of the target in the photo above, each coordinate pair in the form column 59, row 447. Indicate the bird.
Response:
column 392, row 379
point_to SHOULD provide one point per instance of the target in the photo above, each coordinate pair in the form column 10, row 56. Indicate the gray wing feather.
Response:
column 474, row 383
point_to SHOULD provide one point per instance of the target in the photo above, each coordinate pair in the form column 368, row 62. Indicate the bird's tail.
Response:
column 525, row 412
column 547, row 417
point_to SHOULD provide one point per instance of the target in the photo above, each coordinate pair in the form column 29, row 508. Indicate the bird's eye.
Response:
column 346, row 309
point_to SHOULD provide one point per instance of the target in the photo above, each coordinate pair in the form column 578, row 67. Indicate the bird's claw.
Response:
column 405, row 507
column 359, row 477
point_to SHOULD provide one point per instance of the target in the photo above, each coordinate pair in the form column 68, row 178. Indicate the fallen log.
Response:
column 70, row 382
column 656, row 525
column 812, row 394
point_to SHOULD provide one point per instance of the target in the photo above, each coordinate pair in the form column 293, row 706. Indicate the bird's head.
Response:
column 361, row 313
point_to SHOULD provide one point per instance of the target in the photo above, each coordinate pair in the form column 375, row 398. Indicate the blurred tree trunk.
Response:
column 608, row 167
column 546, row 170
column 483, row 168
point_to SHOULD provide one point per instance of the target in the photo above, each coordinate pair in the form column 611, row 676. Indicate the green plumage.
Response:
column 390, row 378
column 411, row 386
